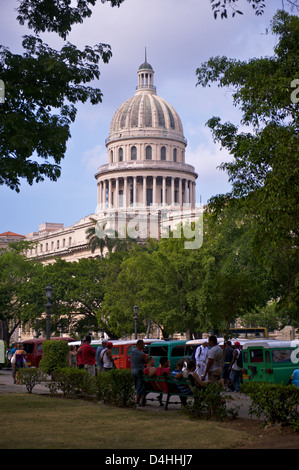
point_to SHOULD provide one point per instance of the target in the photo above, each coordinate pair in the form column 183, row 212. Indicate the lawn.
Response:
column 43, row 422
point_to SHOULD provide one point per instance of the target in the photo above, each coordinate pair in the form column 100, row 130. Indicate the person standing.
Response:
column 138, row 360
column 201, row 358
column 79, row 355
column 235, row 369
column 88, row 356
column 228, row 356
column 107, row 358
column 13, row 365
column 214, row 364
column 20, row 359
column 98, row 352
column 72, row 357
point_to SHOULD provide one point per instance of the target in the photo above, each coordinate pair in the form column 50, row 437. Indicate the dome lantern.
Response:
column 145, row 77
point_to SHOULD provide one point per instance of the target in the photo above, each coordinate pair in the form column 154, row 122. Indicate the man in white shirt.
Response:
column 215, row 360
column 201, row 358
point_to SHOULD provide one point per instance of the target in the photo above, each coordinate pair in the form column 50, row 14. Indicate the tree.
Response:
column 264, row 173
column 37, row 83
column 16, row 274
column 221, row 7
column 78, row 292
column 233, row 280
column 56, row 15
column 42, row 87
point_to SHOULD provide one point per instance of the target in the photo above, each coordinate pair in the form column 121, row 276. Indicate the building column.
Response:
column 172, row 200
column 154, row 189
column 144, row 191
column 163, row 190
column 134, row 190
column 105, row 194
column 193, row 195
column 116, row 203
column 109, row 192
column 125, row 191
column 180, row 192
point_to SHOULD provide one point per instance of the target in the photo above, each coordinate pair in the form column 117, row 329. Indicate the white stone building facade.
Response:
column 146, row 176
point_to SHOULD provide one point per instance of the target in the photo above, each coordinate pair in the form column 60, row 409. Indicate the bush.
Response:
column 72, row 382
column 278, row 403
column 115, row 387
column 54, row 356
column 31, row 377
column 209, row 403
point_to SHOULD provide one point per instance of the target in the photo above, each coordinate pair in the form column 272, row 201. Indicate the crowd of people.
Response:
column 211, row 364
column 90, row 359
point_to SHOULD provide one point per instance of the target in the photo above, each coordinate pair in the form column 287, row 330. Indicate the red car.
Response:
column 34, row 349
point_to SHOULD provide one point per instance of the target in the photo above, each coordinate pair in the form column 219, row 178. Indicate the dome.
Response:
column 145, row 66
column 146, row 113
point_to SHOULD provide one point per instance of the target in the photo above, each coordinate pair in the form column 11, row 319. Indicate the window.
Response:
column 178, row 351
column 120, row 155
column 133, row 153
column 28, row 347
column 115, row 351
column 256, row 355
column 148, row 152
column 174, row 155
column 281, row 355
column 111, row 156
column 159, row 351
column 163, row 153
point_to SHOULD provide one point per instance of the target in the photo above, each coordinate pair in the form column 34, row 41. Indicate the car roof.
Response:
column 272, row 343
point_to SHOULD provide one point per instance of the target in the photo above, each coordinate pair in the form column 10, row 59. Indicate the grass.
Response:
column 43, row 422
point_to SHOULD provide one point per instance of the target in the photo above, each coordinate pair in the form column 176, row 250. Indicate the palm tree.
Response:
column 104, row 238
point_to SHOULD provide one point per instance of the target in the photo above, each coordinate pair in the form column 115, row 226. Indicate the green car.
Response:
column 174, row 350
column 270, row 360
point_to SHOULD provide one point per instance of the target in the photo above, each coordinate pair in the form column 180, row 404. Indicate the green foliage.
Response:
column 54, row 356
column 36, row 83
column 264, row 173
column 16, row 274
column 74, row 383
column 277, row 403
column 31, row 377
column 115, row 387
column 56, row 15
column 221, row 7
column 209, row 403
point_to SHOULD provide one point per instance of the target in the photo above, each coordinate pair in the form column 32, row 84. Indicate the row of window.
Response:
column 148, row 154
column 51, row 246
column 149, row 197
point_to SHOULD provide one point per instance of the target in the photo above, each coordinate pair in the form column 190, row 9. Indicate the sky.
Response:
column 179, row 35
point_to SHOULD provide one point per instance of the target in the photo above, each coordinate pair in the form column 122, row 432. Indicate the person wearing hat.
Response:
column 98, row 351
column 235, row 369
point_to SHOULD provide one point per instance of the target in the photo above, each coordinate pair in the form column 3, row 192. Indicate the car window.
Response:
column 281, row 355
column 178, row 351
column 256, row 355
column 28, row 348
column 159, row 351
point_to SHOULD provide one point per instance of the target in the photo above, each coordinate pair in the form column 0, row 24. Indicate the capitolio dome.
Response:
column 146, row 113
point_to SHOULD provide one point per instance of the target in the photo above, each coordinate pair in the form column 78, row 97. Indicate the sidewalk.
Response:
column 238, row 402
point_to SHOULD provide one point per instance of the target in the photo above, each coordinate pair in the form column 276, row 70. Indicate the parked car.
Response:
column 34, row 349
